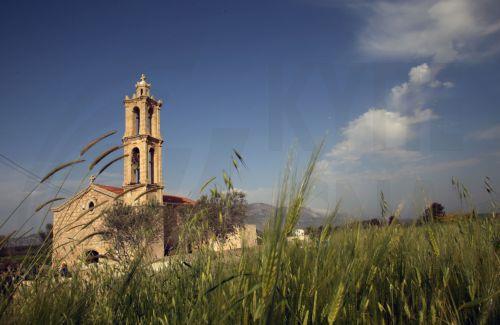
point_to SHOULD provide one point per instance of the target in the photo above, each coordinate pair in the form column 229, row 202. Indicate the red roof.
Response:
column 174, row 200
column 168, row 199
column 114, row 189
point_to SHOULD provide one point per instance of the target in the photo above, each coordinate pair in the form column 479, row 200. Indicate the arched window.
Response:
column 91, row 206
column 151, row 159
column 137, row 120
column 150, row 121
column 91, row 257
column 135, row 164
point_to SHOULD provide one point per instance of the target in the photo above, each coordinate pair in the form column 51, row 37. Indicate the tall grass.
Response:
column 435, row 273
column 431, row 274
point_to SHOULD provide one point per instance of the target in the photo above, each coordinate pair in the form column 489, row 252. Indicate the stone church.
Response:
column 78, row 218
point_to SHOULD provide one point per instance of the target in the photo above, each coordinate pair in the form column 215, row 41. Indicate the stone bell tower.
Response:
column 142, row 143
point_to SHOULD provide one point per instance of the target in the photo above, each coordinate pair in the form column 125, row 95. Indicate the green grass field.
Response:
column 439, row 273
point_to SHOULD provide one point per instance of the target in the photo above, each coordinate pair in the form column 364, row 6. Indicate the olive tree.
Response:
column 217, row 214
column 131, row 229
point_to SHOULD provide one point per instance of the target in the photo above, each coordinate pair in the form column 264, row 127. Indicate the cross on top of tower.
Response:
column 142, row 87
column 143, row 80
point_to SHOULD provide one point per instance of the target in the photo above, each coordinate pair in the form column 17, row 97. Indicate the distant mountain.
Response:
column 258, row 214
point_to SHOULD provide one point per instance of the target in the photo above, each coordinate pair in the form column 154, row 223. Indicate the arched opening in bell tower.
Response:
column 150, row 121
column 135, row 166
column 151, row 166
column 137, row 120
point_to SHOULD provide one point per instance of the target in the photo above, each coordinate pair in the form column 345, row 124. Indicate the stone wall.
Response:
column 243, row 237
column 76, row 226
column 69, row 230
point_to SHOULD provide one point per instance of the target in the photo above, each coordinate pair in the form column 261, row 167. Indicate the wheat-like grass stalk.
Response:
column 47, row 176
column 110, row 163
column 205, row 185
column 119, row 196
column 103, row 155
column 41, row 206
column 91, row 235
column 81, row 215
column 95, row 141
column 336, row 304
column 145, row 193
column 61, row 167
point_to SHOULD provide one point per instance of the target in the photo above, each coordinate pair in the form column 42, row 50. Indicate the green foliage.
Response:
column 214, row 216
column 434, row 212
column 224, row 211
column 130, row 228
column 373, row 275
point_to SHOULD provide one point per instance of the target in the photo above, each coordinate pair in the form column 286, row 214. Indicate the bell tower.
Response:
column 142, row 143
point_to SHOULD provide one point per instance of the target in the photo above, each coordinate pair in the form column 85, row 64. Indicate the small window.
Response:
column 91, row 206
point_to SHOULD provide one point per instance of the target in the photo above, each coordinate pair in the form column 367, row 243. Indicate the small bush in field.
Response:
column 434, row 211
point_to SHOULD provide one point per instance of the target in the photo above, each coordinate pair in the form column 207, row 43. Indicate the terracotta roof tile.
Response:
column 114, row 189
column 175, row 200
column 168, row 199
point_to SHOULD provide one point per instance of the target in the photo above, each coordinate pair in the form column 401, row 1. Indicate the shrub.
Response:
column 434, row 211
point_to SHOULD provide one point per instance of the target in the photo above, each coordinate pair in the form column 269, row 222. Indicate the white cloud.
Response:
column 491, row 133
column 412, row 94
column 444, row 30
column 398, row 96
column 387, row 131
column 420, row 74
column 377, row 146
column 379, row 132
column 420, row 116
column 445, row 84
column 377, row 143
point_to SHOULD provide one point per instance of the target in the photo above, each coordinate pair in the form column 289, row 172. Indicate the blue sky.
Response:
column 406, row 93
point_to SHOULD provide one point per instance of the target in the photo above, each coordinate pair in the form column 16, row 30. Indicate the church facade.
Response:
column 77, row 220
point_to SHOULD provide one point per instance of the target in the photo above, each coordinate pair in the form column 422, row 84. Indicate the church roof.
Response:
column 175, row 200
column 114, row 189
column 168, row 199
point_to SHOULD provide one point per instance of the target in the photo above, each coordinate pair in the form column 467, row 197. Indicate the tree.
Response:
column 434, row 211
column 224, row 212
column 46, row 236
column 131, row 229
column 172, row 223
column 218, row 214
column 46, row 239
